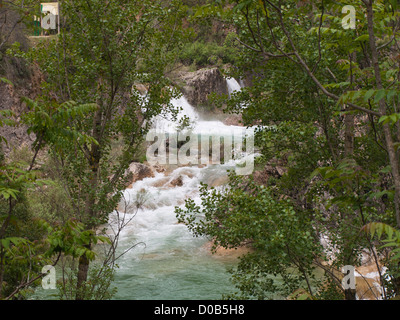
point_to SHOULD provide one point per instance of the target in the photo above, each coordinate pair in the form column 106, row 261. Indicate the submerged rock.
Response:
column 178, row 182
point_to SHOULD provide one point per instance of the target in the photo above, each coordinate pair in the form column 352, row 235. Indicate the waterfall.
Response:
column 168, row 262
column 233, row 85
column 166, row 123
column 186, row 109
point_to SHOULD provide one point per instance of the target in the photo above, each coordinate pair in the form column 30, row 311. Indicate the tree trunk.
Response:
column 349, row 117
column 382, row 109
column 94, row 163
column 83, row 269
column 349, row 135
column 350, row 294
column 393, row 159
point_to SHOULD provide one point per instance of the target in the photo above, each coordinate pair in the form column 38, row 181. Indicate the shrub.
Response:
column 204, row 54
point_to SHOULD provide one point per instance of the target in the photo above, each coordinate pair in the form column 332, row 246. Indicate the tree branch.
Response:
column 26, row 284
column 305, row 66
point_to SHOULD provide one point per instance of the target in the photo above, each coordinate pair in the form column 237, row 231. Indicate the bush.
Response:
column 203, row 54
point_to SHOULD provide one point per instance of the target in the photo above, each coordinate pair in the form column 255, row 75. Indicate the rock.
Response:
column 140, row 171
column 367, row 289
column 160, row 183
column 198, row 85
column 26, row 85
column 158, row 168
column 141, row 88
column 367, row 281
column 187, row 172
column 261, row 176
column 233, row 120
column 232, row 253
column 368, row 285
column 275, row 171
column 218, row 181
column 178, row 182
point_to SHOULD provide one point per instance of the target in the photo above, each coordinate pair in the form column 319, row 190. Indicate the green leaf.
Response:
column 391, row 94
column 6, row 81
column 383, row 119
column 241, row 5
column 369, row 94
column 380, row 95
column 379, row 228
column 5, row 243
column 393, row 118
column 364, row 37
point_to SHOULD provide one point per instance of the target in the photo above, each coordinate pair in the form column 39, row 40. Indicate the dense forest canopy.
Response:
column 321, row 87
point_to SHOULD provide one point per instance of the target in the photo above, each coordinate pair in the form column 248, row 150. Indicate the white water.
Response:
column 233, row 85
column 168, row 262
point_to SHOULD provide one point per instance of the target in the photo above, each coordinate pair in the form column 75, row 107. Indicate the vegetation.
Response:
column 331, row 94
column 85, row 110
column 202, row 54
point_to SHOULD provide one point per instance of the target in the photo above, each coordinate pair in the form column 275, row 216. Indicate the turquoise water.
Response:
column 168, row 262
column 173, row 265
column 178, row 275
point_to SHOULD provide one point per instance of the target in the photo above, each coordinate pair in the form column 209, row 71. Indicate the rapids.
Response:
column 167, row 261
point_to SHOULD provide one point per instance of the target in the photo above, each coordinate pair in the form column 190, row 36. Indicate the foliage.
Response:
column 99, row 285
column 283, row 238
column 325, row 100
column 105, row 50
column 392, row 261
column 203, row 54
column 331, row 94
column 71, row 239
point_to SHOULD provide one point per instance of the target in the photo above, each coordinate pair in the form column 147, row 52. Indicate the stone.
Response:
column 198, row 85
column 140, row 171
column 158, row 168
column 232, row 253
column 233, row 120
column 219, row 181
column 177, row 182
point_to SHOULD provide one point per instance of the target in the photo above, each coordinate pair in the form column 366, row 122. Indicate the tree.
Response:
column 282, row 238
column 104, row 50
column 27, row 243
column 330, row 94
column 281, row 23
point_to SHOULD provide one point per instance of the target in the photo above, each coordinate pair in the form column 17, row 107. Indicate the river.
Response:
column 161, row 259
column 168, row 262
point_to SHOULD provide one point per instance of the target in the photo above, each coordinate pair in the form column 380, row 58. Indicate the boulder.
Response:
column 234, row 120
column 261, row 176
column 177, row 182
column 198, row 85
column 140, row 171
column 218, row 181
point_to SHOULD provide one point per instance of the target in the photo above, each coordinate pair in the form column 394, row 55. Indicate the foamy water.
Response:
column 168, row 262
